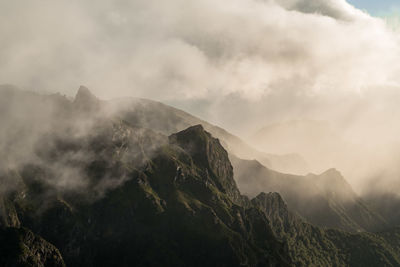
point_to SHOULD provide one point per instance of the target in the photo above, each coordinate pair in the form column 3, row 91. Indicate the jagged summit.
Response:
column 208, row 152
column 197, row 127
column 333, row 180
column 193, row 129
column 333, row 172
column 194, row 137
column 274, row 195
column 199, row 143
column 85, row 100
column 84, row 94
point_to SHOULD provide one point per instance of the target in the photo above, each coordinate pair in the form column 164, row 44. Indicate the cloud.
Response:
column 337, row 9
column 238, row 63
column 191, row 49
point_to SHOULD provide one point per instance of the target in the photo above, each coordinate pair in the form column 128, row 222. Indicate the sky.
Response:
column 376, row 7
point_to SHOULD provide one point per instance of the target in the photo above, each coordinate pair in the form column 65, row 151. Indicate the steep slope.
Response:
column 180, row 207
column 387, row 203
column 142, row 113
column 106, row 192
column 144, row 199
column 311, row 246
column 325, row 200
column 165, row 119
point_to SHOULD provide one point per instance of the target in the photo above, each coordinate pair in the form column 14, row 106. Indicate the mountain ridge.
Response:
column 146, row 113
column 103, row 190
column 326, row 200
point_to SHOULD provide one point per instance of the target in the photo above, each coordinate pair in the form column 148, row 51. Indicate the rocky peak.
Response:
column 84, row 94
column 199, row 144
column 332, row 172
column 208, row 153
column 333, row 181
column 85, row 100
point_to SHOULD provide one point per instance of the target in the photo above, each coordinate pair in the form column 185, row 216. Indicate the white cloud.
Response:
column 248, row 61
column 189, row 48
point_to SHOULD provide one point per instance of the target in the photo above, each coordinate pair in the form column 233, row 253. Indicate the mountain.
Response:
column 167, row 120
column 325, row 200
column 309, row 245
column 82, row 185
column 178, row 207
column 106, row 192
column 387, row 203
column 142, row 113
column 85, row 101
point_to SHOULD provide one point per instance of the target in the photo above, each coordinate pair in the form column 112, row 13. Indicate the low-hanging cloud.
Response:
column 196, row 48
column 337, row 9
column 238, row 63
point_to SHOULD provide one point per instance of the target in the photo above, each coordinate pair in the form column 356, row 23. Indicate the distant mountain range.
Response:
column 166, row 120
column 134, row 182
column 325, row 200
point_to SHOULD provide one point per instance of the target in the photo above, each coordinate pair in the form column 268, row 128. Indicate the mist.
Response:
column 62, row 146
column 239, row 64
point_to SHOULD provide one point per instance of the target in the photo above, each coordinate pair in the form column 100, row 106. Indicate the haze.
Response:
column 240, row 64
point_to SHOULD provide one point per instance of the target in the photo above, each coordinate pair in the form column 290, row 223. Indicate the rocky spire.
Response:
column 85, row 100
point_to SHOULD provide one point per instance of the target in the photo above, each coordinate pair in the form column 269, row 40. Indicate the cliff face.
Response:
column 208, row 153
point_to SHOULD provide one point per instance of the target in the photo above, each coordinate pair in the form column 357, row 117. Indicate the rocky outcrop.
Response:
column 85, row 101
column 207, row 152
column 21, row 247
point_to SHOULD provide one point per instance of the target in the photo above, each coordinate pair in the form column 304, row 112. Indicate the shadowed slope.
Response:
column 325, row 200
